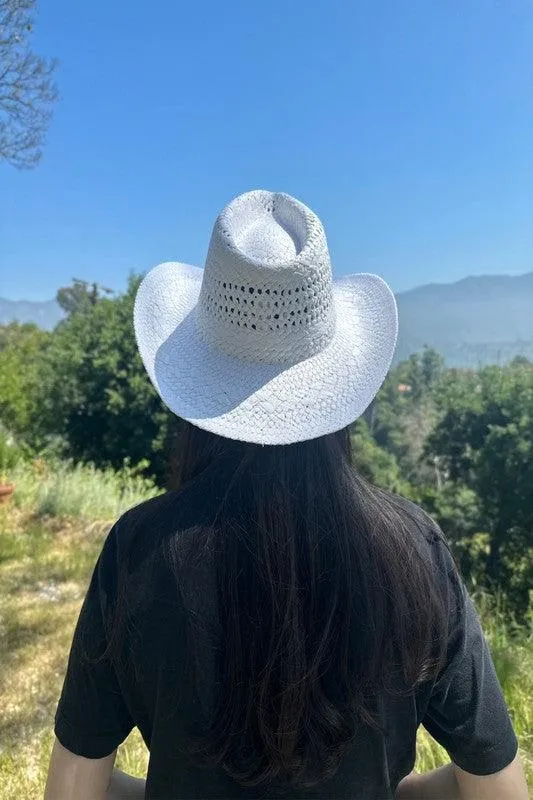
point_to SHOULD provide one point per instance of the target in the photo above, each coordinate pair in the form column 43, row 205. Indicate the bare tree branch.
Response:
column 27, row 88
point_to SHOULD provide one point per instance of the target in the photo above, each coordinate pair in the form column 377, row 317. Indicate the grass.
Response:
column 50, row 538
column 45, row 566
column 62, row 489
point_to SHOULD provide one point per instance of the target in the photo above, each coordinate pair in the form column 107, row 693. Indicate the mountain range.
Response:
column 45, row 314
column 475, row 321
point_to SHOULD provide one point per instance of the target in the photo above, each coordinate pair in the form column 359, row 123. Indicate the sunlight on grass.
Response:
column 45, row 566
column 132, row 756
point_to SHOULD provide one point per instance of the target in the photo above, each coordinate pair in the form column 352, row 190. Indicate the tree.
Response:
column 22, row 350
column 96, row 393
column 374, row 463
column 27, row 89
column 404, row 413
column 432, row 367
column 80, row 296
column 484, row 441
column 504, row 480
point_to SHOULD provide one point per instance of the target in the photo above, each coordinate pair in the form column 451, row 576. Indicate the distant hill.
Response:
column 45, row 314
column 483, row 320
column 476, row 321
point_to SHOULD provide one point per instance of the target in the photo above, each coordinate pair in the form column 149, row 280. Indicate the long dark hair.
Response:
column 327, row 600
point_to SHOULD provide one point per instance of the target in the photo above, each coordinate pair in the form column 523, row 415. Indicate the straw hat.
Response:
column 261, row 345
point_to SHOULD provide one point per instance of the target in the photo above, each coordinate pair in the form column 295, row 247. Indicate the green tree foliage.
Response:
column 405, row 412
column 98, row 396
column 461, row 444
column 484, row 442
column 80, row 296
column 374, row 462
column 22, row 352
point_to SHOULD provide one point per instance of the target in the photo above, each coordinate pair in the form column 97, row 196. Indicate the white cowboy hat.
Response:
column 261, row 345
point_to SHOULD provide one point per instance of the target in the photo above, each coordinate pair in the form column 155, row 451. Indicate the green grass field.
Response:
column 49, row 542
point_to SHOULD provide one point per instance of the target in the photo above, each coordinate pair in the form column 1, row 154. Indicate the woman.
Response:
column 275, row 626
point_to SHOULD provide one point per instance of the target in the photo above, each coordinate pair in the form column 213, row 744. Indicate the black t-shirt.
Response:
column 463, row 708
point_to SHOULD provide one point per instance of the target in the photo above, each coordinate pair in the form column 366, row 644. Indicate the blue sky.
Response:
column 407, row 125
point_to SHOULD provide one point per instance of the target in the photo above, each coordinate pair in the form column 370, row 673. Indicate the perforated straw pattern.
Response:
column 266, row 291
column 277, row 382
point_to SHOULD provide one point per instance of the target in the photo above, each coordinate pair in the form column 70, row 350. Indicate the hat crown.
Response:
column 266, row 292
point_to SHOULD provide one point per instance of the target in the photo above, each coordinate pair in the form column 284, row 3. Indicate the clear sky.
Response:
column 407, row 125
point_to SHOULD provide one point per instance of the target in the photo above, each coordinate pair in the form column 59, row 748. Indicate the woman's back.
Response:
column 171, row 650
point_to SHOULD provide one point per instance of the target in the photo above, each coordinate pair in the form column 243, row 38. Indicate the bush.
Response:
column 10, row 455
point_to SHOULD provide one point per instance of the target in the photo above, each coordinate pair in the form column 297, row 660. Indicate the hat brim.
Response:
column 264, row 403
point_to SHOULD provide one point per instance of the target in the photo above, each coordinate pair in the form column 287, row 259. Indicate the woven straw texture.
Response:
column 262, row 345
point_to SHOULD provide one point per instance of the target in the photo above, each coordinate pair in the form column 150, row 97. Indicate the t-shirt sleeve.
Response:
column 92, row 718
column 467, row 713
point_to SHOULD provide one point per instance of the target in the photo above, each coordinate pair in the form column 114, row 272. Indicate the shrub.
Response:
column 10, row 455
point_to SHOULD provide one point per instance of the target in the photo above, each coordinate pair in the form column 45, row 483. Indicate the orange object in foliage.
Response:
column 6, row 490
